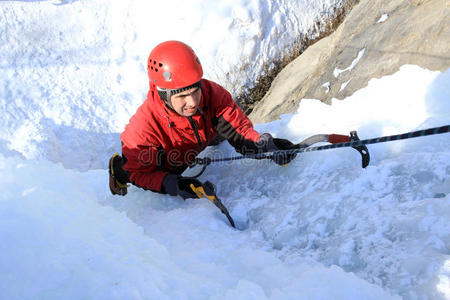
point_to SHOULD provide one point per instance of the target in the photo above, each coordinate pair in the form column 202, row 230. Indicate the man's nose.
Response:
column 190, row 100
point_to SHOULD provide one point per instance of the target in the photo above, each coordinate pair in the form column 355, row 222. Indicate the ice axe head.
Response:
column 362, row 149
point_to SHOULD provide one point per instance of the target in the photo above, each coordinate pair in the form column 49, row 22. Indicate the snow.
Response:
column 383, row 18
column 320, row 228
column 444, row 282
column 344, row 85
column 338, row 71
column 326, row 85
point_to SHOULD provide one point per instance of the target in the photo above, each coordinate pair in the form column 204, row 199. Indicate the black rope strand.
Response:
column 268, row 155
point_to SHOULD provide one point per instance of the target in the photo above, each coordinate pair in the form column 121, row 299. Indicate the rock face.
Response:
column 375, row 39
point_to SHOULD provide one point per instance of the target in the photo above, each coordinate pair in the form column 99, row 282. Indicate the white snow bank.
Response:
column 394, row 104
column 388, row 223
column 58, row 242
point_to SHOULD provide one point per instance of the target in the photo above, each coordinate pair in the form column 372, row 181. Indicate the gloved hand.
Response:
column 267, row 143
column 174, row 185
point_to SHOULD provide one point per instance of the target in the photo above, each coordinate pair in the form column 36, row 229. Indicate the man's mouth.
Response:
column 190, row 109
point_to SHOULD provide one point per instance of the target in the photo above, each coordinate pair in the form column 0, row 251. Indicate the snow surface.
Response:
column 383, row 18
column 320, row 228
column 344, row 85
column 338, row 71
column 326, row 85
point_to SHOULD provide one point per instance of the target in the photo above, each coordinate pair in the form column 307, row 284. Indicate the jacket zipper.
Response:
column 194, row 126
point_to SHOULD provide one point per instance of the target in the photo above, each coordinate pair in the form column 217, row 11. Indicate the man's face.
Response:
column 186, row 103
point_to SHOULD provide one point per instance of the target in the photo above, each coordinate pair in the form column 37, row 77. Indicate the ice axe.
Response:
column 207, row 190
column 336, row 140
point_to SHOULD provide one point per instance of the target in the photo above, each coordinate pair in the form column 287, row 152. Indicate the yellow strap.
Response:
column 200, row 191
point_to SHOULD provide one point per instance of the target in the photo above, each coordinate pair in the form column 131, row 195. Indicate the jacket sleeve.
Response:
column 142, row 164
column 232, row 123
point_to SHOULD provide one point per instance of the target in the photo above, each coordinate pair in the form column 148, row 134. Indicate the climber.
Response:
column 180, row 117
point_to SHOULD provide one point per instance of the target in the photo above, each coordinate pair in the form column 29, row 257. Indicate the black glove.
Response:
column 178, row 185
column 267, row 143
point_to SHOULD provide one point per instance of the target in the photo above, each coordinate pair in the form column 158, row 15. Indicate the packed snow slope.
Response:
column 320, row 228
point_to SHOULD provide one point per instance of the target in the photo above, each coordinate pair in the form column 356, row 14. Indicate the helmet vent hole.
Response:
column 151, row 68
column 154, row 62
column 160, row 65
column 156, row 70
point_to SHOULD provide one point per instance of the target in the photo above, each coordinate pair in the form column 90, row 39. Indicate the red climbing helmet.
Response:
column 173, row 65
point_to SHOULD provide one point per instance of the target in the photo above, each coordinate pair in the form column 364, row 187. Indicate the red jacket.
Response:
column 158, row 141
